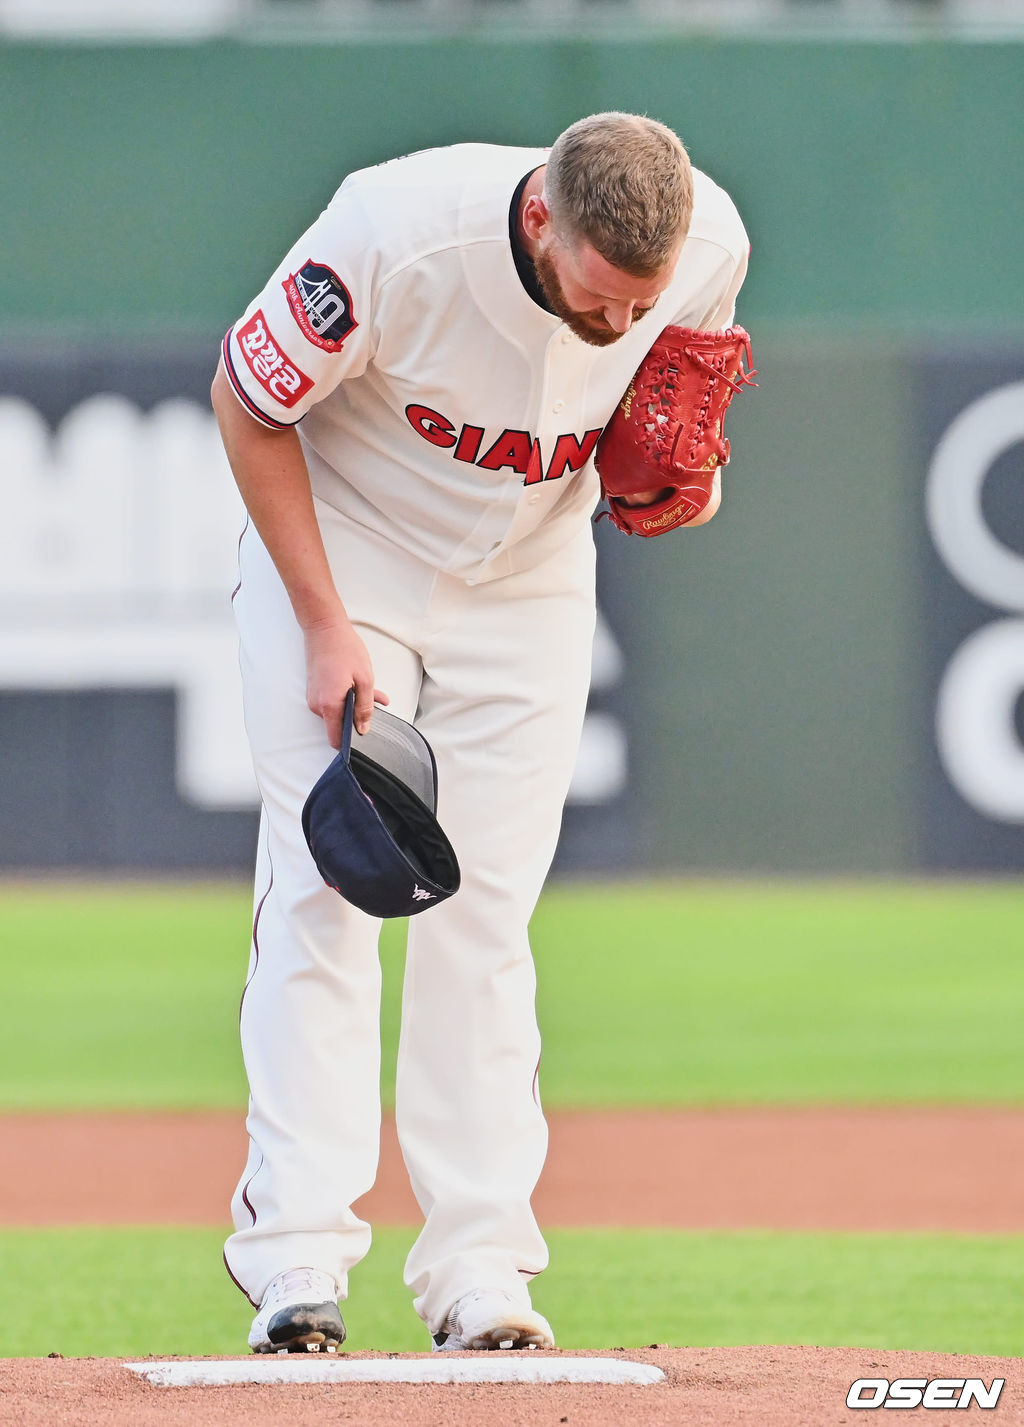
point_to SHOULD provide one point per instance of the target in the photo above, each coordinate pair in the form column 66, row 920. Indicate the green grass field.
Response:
column 712, row 993
column 659, row 995
column 126, row 1292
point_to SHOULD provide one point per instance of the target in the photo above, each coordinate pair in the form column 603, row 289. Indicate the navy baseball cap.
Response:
column 370, row 820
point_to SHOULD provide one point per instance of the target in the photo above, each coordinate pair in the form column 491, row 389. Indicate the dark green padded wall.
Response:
column 883, row 184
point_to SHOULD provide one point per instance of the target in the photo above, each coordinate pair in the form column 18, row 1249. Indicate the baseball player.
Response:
column 411, row 407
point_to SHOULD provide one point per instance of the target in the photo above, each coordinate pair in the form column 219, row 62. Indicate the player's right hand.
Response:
column 336, row 661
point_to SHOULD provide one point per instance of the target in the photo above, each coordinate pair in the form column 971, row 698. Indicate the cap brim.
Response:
column 395, row 745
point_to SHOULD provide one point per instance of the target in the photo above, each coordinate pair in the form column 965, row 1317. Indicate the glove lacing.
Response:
column 656, row 391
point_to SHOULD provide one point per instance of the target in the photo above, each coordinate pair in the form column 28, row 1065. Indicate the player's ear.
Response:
column 536, row 217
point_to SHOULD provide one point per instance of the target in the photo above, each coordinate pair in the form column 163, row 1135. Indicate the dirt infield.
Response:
column 856, row 1169
column 705, row 1387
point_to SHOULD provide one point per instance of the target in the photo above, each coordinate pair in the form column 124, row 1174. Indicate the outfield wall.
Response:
column 154, row 188
column 766, row 689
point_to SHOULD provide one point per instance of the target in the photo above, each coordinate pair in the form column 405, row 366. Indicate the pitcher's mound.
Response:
column 700, row 1387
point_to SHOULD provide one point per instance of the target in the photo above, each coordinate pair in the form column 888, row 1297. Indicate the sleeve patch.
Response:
column 321, row 305
column 279, row 377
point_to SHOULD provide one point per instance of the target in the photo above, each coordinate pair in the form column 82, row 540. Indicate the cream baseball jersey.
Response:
column 437, row 401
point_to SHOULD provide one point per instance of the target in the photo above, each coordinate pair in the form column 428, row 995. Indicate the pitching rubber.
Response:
column 436, row 1368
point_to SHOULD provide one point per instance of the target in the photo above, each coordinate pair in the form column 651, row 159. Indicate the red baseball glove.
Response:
column 667, row 429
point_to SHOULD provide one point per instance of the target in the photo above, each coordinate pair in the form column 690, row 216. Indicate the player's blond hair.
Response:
column 623, row 182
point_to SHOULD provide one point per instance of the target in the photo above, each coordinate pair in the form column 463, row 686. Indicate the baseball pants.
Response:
column 496, row 676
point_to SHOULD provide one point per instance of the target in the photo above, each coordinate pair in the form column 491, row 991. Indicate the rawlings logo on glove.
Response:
column 667, row 429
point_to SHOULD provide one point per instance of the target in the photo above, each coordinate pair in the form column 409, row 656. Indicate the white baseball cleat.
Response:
column 298, row 1314
column 492, row 1318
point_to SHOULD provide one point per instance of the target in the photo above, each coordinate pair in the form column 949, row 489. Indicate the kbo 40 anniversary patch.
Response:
column 321, row 305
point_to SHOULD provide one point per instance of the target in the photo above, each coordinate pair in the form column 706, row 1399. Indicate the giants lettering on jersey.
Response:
column 278, row 376
column 321, row 304
column 515, row 449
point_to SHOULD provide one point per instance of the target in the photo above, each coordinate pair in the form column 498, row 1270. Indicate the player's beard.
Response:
column 588, row 327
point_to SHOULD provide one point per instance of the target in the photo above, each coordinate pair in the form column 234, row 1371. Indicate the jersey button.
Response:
column 534, row 499
column 566, row 338
column 558, row 405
